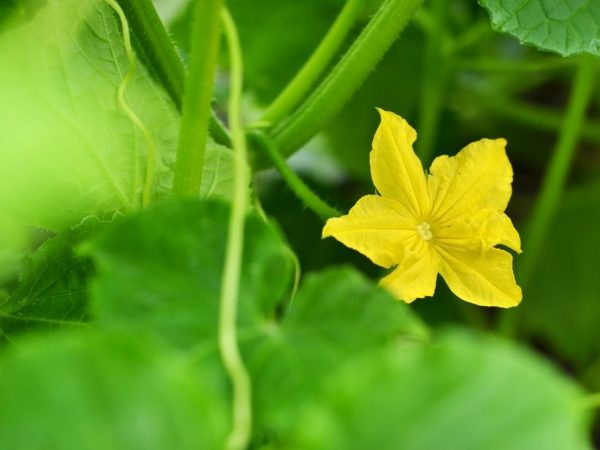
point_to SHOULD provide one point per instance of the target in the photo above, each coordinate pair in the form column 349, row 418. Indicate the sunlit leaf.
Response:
column 68, row 150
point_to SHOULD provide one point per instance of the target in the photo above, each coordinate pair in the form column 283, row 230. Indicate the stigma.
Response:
column 424, row 231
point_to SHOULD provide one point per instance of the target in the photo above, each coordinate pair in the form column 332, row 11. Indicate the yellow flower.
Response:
column 448, row 221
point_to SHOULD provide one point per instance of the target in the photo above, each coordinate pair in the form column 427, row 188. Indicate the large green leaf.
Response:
column 462, row 392
column 52, row 290
column 68, row 150
column 565, row 27
column 336, row 316
column 106, row 392
column 159, row 271
column 562, row 303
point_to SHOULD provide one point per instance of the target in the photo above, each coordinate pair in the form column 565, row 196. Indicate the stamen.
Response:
column 424, row 230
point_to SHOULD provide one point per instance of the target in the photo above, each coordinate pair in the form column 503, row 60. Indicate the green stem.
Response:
column 206, row 36
column 558, row 169
column 435, row 63
column 298, row 88
column 158, row 49
column 242, row 396
column 553, row 184
column 501, row 65
column 472, row 36
column 535, row 116
column 346, row 77
column 298, row 187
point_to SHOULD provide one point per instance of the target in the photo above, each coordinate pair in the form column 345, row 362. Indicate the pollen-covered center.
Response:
column 424, row 230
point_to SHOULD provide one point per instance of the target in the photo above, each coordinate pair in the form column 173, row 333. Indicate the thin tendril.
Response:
column 148, row 139
column 239, row 435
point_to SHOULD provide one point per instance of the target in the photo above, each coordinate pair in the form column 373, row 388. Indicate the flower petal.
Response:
column 396, row 170
column 478, row 177
column 483, row 278
column 480, row 231
column 377, row 227
column 416, row 275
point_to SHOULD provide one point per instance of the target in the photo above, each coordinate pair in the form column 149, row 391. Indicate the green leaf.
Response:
column 561, row 304
column 218, row 174
column 160, row 270
column 337, row 315
column 106, row 392
column 567, row 28
column 68, row 150
column 52, row 290
column 462, row 392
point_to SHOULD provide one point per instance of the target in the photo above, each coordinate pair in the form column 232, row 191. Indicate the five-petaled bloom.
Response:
column 448, row 221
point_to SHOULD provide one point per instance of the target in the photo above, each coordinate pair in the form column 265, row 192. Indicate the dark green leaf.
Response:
column 561, row 305
column 52, row 290
column 463, row 392
column 160, row 271
column 565, row 27
column 106, row 393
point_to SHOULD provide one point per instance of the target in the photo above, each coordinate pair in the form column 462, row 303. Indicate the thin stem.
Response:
column 242, row 396
column 535, row 116
column 158, row 49
column 298, row 88
column 553, row 184
column 206, row 36
column 558, row 169
column 435, row 63
column 473, row 35
column 503, row 65
column 295, row 183
column 346, row 77
column 137, row 122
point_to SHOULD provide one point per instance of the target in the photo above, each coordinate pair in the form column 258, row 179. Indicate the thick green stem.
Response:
column 347, row 76
column 435, row 62
column 558, row 169
column 299, row 87
column 195, row 113
column 239, row 435
column 295, row 183
column 160, row 53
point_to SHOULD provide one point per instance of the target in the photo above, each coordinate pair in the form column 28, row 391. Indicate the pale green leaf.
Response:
column 67, row 149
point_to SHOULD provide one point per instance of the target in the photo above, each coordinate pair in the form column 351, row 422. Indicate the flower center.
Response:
column 424, row 230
